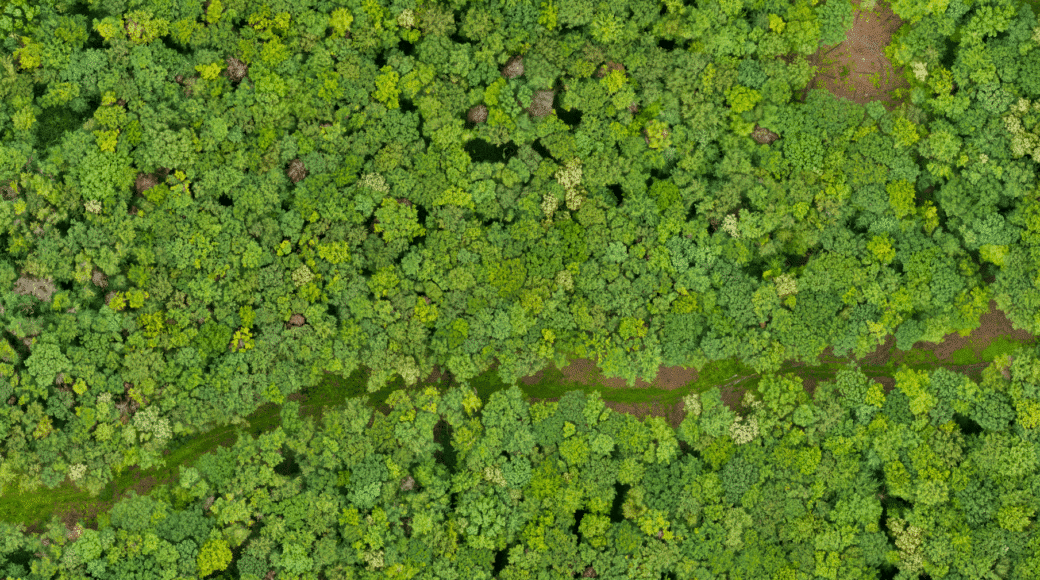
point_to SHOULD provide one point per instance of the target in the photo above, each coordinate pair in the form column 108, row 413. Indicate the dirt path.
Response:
column 584, row 372
column 994, row 324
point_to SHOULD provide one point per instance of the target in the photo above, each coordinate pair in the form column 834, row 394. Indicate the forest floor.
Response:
column 857, row 69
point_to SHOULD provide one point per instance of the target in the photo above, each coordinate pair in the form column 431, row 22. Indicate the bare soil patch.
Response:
column 857, row 69
column 993, row 324
column 436, row 376
column 733, row 397
column 673, row 413
column 585, row 372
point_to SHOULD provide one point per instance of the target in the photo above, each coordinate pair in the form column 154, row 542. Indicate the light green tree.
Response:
column 214, row 556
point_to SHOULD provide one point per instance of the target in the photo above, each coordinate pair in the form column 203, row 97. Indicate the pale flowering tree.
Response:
column 908, row 539
column 1025, row 131
column 565, row 280
column 549, row 205
column 149, row 421
column 493, row 474
column 569, row 178
column 302, row 276
column 406, row 19
column 77, row 471
column 573, row 199
column 745, row 429
column 375, row 182
column 785, row 284
column 920, row 70
column 729, row 224
column 103, row 401
column 692, row 404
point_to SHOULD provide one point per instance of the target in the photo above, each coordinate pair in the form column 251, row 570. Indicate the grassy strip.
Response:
column 35, row 508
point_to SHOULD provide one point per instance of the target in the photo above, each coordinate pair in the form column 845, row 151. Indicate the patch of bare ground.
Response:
column 733, row 397
column 436, row 376
column 673, row 413
column 857, row 69
column 993, row 324
column 668, row 378
column 584, row 371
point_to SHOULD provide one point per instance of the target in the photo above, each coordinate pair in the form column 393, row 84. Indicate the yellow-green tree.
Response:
column 214, row 556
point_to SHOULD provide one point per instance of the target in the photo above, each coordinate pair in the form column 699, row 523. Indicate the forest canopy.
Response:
column 207, row 207
column 936, row 478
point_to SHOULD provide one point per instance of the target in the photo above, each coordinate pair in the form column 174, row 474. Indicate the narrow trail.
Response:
column 877, row 365
column 72, row 505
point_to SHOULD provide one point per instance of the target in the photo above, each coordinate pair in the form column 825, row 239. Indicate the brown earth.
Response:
column 858, row 69
column 993, row 324
column 584, row 371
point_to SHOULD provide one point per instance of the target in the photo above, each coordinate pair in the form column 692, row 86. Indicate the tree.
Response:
column 18, row 15
column 950, row 394
column 993, row 411
column 214, row 556
column 914, row 13
column 836, row 18
column 780, row 394
column 44, row 364
column 915, row 385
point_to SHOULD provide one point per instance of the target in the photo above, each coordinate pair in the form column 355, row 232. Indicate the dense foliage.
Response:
column 938, row 478
column 207, row 207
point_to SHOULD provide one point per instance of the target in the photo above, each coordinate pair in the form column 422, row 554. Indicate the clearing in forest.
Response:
column 662, row 396
column 858, row 69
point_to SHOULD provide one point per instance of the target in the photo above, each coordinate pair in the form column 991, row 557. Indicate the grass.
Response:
column 1002, row 345
column 915, row 357
column 37, row 508
column 29, row 507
